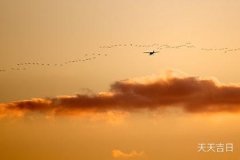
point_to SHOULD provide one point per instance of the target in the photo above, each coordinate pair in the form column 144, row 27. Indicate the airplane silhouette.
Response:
column 151, row 52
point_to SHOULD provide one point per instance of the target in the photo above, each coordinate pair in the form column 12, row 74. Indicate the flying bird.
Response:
column 151, row 52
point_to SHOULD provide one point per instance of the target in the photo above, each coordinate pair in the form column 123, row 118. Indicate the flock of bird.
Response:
column 155, row 45
column 22, row 66
column 25, row 65
column 224, row 50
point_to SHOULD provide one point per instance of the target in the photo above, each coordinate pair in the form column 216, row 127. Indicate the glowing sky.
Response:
column 104, row 121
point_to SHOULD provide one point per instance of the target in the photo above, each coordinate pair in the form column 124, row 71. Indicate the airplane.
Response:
column 151, row 52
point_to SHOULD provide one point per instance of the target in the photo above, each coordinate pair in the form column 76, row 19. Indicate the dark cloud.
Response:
column 188, row 93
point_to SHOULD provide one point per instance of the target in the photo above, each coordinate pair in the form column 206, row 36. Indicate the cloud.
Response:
column 191, row 94
column 123, row 155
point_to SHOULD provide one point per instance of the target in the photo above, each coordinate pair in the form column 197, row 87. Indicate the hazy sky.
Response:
column 56, row 31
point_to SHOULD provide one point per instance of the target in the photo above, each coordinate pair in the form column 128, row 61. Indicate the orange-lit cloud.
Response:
column 191, row 94
column 116, row 153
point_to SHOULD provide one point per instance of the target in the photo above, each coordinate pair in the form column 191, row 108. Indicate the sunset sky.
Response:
column 122, row 104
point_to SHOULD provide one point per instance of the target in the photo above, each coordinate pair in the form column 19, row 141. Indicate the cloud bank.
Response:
column 191, row 94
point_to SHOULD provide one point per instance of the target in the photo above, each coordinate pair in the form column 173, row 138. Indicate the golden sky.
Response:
column 122, row 104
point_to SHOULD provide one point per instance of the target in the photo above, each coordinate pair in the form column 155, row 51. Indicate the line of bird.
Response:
column 224, row 50
column 92, row 56
column 24, row 65
column 159, row 46
column 156, row 45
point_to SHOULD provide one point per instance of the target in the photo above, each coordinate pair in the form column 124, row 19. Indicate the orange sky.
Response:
column 56, row 31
